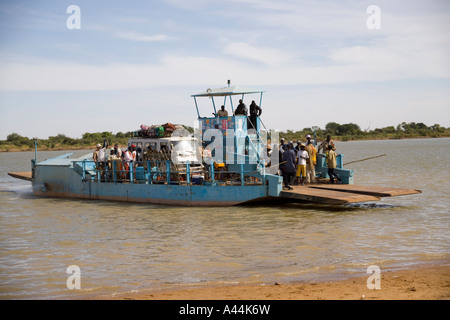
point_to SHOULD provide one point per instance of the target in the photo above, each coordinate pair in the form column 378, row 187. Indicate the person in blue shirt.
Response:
column 289, row 166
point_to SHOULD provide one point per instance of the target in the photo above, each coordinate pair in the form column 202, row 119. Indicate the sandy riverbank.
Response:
column 423, row 283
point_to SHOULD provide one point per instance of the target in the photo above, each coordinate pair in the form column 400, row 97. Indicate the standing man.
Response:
column 324, row 145
column 308, row 139
column 283, row 145
column 255, row 111
column 302, row 157
column 96, row 152
column 331, row 163
column 99, row 157
column 311, row 163
column 289, row 167
column 241, row 109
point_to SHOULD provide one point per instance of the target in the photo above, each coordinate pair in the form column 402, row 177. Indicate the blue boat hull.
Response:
column 65, row 182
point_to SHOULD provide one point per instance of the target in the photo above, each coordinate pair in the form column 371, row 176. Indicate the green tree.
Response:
column 332, row 128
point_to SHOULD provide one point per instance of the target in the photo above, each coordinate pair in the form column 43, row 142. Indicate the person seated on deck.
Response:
column 241, row 109
column 255, row 111
column 222, row 112
column 148, row 155
column 219, row 167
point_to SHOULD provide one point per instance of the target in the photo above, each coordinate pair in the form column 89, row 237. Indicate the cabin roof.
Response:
column 226, row 91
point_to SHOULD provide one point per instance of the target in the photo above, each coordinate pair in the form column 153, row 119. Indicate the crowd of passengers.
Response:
column 296, row 163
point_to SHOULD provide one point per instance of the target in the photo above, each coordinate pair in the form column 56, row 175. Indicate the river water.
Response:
column 122, row 247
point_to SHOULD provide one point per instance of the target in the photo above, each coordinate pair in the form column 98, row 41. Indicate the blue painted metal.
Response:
column 196, row 107
column 322, row 168
column 260, row 100
column 214, row 105
column 232, row 107
column 67, row 181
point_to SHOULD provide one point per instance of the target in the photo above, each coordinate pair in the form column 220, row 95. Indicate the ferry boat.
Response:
column 224, row 163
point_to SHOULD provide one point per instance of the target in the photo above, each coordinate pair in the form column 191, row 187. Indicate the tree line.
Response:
column 341, row 132
column 15, row 141
column 351, row 131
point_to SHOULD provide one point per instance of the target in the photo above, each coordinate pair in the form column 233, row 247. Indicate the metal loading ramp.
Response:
column 368, row 190
column 342, row 194
column 21, row 175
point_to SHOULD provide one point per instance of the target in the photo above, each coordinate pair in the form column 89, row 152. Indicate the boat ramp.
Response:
column 336, row 194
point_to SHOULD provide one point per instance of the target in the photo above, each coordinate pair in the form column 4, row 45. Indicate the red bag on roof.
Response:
column 169, row 127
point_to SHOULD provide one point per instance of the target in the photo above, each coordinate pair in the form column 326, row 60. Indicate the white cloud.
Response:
column 346, row 65
column 268, row 56
column 407, row 47
column 134, row 36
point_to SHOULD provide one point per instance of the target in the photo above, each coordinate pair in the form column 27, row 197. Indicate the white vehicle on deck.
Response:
column 181, row 149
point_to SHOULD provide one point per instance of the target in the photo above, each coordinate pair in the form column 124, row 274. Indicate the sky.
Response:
column 114, row 65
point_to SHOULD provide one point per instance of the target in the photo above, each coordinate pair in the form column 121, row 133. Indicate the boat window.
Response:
column 150, row 146
column 164, row 145
column 185, row 150
column 184, row 145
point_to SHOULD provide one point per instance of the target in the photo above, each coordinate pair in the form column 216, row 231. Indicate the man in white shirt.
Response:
column 302, row 157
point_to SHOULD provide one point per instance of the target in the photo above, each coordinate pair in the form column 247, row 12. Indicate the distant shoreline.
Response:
column 89, row 147
column 61, row 148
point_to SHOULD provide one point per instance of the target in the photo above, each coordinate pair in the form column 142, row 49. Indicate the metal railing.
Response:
column 164, row 172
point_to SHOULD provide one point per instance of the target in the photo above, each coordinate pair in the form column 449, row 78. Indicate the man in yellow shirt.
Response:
column 311, row 162
column 331, row 163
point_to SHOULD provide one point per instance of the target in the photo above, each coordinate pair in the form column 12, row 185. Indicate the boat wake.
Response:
column 369, row 205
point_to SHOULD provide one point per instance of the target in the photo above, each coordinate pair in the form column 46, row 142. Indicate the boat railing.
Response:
column 261, row 142
column 165, row 172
